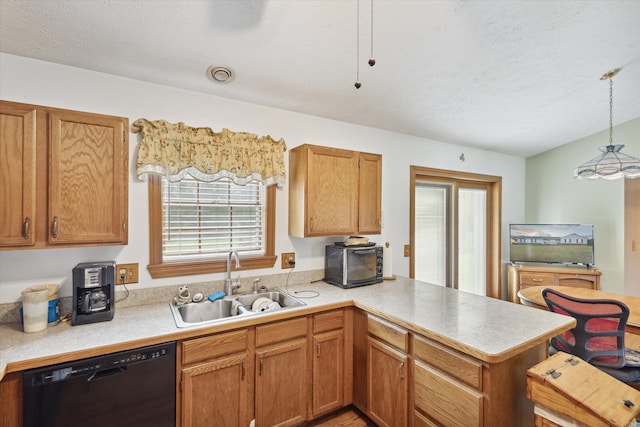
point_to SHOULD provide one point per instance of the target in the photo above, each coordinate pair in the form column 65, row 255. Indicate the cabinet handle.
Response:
column 537, row 280
column 311, row 224
column 244, row 367
column 318, row 350
column 25, row 228
column 261, row 365
column 401, row 371
column 54, row 227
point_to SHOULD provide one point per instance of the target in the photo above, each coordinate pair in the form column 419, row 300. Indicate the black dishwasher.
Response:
column 129, row 388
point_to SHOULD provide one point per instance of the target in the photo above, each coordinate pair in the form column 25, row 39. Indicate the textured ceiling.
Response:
column 518, row 77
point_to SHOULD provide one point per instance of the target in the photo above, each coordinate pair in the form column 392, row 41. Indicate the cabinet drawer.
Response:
column 453, row 363
column 445, row 400
column 328, row 321
column 420, row 420
column 281, row 331
column 213, row 346
column 388, row 332
column 577, row 280
column 537, row 279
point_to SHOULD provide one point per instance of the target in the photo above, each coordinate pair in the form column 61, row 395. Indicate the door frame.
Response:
column 494, row 219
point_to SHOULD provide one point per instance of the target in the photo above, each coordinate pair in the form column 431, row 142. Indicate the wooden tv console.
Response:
column 522, row 276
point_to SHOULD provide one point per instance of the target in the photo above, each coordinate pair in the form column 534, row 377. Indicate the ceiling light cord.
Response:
column 372, row 60
column 358, row 84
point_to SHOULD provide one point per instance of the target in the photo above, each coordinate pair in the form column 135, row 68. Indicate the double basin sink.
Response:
column 234, row 307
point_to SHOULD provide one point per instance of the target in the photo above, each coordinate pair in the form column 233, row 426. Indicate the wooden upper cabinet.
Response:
column 73, row 170
column 17, row 175
column 369, row 221
column 333, row 192
column 86, row 170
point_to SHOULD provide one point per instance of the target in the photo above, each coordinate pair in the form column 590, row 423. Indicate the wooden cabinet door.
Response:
column 87, row 178
column 370, row 197
column 332, row 192
column 387, row 389
column 281, row 384
column 328, row 372
column 17, row 175
column 215, row 393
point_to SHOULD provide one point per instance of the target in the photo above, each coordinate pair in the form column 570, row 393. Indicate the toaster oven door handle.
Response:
column 364, row 251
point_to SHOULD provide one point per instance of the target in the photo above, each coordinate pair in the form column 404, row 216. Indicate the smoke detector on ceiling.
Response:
column 220, row 74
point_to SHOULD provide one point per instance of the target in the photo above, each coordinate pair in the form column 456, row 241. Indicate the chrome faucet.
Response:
column 228, row 285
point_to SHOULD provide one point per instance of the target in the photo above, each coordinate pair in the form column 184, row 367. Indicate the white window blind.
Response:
column 205, row 220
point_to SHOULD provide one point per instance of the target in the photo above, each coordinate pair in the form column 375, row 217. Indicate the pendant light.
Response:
column 612, row 163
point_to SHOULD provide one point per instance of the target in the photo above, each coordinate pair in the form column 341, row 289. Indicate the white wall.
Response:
column 48, row 84
column 554, row 196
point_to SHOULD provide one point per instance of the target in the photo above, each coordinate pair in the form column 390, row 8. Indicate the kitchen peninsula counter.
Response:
column 488, row 329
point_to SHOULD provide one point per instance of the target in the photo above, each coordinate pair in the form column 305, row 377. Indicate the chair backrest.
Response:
column 598, row 336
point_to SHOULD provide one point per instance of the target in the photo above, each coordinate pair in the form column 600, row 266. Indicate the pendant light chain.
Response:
column 611, row 110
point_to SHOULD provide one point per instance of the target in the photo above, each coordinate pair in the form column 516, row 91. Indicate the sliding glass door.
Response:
column 453, row 237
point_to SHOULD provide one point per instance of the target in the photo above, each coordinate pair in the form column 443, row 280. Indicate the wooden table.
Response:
column 532, row 296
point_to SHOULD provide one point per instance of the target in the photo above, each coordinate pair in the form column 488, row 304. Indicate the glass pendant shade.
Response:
column 611, row 164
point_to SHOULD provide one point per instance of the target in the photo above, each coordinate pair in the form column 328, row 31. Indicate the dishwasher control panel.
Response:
column 94, row 366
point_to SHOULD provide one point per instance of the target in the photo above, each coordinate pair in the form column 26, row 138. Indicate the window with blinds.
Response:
column 205, row 220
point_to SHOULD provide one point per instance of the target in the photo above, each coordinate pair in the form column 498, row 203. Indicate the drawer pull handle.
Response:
column 25, row 229
column 54, row 227
column 537, row 280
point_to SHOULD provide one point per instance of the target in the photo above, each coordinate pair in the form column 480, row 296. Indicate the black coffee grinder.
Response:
column 93, row 292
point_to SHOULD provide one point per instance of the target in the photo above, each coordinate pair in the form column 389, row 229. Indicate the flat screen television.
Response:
column 551, row 243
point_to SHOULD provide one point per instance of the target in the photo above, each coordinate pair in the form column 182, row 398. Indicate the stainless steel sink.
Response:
column 235, row 307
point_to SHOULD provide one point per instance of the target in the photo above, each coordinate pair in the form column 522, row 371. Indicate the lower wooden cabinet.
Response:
column 215, row 393
column 523, row 276
column 387, row 384
column 380, row 369
column 447, row 385
column 214, row 380
column 281, row 373
column 328, row 361
column 444, row 399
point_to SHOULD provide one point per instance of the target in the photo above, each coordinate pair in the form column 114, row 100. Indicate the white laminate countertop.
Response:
column 486, row 328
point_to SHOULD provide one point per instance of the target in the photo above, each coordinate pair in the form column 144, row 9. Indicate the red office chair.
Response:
column 598, row 336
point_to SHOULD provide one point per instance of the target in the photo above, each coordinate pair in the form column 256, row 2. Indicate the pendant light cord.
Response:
column 372, row 60
column 358, row 84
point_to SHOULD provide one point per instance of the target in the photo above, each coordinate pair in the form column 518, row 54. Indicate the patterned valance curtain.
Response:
column 175, row 150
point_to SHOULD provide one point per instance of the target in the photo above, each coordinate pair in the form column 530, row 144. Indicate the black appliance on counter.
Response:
column 351, row 266
column 93, row 292
column 129, row 388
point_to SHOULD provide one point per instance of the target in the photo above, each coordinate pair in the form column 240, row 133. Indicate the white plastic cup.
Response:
column 35, row 309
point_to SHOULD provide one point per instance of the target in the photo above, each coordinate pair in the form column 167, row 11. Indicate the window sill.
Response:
column 159, row 271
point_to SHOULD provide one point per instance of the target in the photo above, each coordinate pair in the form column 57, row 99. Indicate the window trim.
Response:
column 159, row 269
column 494, row 218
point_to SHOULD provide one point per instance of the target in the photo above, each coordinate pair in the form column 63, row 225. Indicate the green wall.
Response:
column 552, row 195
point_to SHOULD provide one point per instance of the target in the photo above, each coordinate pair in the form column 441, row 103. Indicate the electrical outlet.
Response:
column 288, row 259
column 407, row 250
column 129, row 271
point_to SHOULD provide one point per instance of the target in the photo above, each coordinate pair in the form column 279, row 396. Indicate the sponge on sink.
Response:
column 216, row 296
